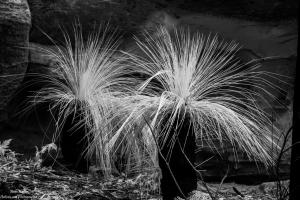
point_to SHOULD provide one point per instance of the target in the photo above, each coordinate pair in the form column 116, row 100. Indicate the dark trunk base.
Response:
column 74, row 142
column 182, row 170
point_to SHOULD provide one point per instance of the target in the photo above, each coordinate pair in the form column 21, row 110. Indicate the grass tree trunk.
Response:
column 295, row 158
column 74, row 141
column 182, row 156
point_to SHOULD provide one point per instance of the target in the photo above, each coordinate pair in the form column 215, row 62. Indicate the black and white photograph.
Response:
column 149, row 100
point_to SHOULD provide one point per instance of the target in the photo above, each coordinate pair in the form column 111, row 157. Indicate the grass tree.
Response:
column 194, row 88
column 83, row 93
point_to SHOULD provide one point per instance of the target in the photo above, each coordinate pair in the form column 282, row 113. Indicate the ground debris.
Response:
column 22, row 179
column 26, row 180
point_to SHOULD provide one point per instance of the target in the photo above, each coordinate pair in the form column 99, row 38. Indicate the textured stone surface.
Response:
column 51, row 17
column 15, row 23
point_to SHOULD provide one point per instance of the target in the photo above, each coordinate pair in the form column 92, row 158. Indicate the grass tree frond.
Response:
column 90, row 76
column 201, row 76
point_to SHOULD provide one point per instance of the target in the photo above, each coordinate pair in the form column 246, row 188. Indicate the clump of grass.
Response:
column 199, row 76
column 90, row 79
column 196, row 82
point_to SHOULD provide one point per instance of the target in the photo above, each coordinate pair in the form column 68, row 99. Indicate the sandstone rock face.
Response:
column 51, row 17
column 15, row 22
column 39, row 64
column 266, row 40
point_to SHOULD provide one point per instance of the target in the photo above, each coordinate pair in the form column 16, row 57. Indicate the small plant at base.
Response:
column 6, row 154
column 4, row 147
column 282, row 190
column 41, row 155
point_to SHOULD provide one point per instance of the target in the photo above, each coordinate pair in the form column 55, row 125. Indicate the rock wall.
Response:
column 49, row 16
column 15, row 22
column 55, row 16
